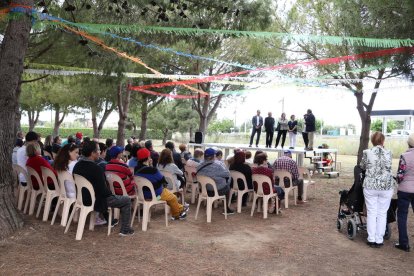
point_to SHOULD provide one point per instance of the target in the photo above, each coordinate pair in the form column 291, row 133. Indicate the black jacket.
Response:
column 310, row 123
column 269, row 124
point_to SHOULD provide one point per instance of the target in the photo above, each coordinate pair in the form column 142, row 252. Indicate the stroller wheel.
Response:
column 339, row 224
column 351, row 229
column 387, row 234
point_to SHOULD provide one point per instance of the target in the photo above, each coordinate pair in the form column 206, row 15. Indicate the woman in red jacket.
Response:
column 36, row 161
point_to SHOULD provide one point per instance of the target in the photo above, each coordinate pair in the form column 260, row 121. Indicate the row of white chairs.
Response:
column 30, row 195
column 196, row 181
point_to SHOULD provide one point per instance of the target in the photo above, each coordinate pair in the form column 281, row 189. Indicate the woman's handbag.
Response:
column 278, row 127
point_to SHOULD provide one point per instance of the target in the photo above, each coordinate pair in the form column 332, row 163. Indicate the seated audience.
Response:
column 21, row 155
column 185, row 155
column 196, row 159
column 109, row 144
column 57, row 144
column 69, row 140
column 166, row 163
column 249, row 159
column 154, row 155
column 88, row 168
column 78, row 139
column 101, row 159
column 48, row 146
column 240, row 166
column 176, row 155
column 36, row 161
column 286, row 163
column 117, row 166
column 133, row 162
column 262, row 168
column 146, row 170
column 19, row 144
column 221, row 175
column 66, row 160
column 128, row 147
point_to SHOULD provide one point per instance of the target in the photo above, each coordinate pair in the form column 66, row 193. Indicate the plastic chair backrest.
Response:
column 80, row 183
column 62, row 177
column 238, row 175
column 33, row 173
column 112, row 179
column 47, row 173
column 142, row 183
column 260, row 179
column 204, row 181
column 19, row 170
column 190, row 173
column 282, row 174
column 170, row 179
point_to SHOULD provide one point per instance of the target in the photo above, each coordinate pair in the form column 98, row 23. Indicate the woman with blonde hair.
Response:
column 166, row 163
column 378, row 188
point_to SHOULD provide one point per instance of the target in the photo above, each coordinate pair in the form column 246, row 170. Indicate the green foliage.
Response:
column 391, row 125
column 105, row 133
column 221, row 126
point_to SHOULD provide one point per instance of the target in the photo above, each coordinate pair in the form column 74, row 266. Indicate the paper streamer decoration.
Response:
column 300, row 38
column 326, row 61
column 124, row 55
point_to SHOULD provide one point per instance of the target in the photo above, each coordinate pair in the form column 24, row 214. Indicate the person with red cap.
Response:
column 78, row 136
column 146, row 170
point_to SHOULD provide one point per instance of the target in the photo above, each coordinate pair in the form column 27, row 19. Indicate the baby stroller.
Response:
column 351, row 208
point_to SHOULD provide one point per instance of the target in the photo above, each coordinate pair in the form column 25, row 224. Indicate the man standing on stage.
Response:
column 257, row 123
column 310, row 128
column 269, row 125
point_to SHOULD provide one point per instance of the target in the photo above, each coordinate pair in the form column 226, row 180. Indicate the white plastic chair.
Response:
column 204, row 181
column 260, row 180
column 23, row 190
column 191, row 180
column 112, row 178
column 35, row 193
column 307, row 181
column 235, row 175
column 83, row 183
column 171, row 179
column 50, row 194
column 282, row 174
column 67, row 202
column 145, row 183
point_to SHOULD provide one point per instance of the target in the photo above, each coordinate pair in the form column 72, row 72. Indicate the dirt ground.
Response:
column 302, row 240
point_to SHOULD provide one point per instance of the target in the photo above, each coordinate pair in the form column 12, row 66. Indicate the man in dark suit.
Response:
column 269, row 125
column 257, row 123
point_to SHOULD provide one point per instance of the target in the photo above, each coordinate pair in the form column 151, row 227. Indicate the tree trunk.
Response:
column 94, row 123
column 58, row 120
column 144, row 120
column 18, row 114
column 123, row 107
column 191, row 133
column 105, row 116
column 164, row 136
column 33, row 118
column 203, row 124
column 12, row 52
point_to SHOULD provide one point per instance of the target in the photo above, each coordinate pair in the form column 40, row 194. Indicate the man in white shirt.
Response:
column 31, row 137
column 257, row 123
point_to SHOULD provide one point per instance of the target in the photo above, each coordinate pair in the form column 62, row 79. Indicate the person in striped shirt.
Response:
column 117, row 166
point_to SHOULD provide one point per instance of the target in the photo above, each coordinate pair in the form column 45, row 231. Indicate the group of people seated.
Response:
column 91, row 159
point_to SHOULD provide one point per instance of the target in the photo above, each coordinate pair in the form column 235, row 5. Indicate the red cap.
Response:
column 143, row 153
column 79, row 135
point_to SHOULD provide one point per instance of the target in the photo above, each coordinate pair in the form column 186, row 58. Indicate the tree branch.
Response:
column 36, row 79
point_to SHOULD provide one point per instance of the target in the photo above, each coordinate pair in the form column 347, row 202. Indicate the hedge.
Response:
column 105, row 133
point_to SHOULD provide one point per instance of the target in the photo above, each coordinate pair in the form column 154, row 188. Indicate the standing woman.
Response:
column 378, row 188
column 405, row 179
column 66, row 160
column 293, row 130
column 283, row 128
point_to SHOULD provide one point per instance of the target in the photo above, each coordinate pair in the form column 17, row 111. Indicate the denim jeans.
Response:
column 404, row 200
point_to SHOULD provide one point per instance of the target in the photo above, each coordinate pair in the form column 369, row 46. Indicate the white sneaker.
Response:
column 99, row 221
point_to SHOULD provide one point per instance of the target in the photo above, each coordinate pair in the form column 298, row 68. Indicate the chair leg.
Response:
column 225, row 209
column 60, row 201
column 193, row 193
column 198, row 206
column 20, row 200
column 295, row 195
column 81, row 224
column 253, row 204
column 28, row 198
column 239, row 201
column 167, row 212
column 134, row 212
column 265, row 207
column 287, row 198
column 65, row 212
column 209, row 209
column 70, row 219
column 305, row 192
column 42, row 198
column 277, row 205
column 46, row 209
column 145, row 216
column 109, row 221
column 231, row 195
column 92, row 219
